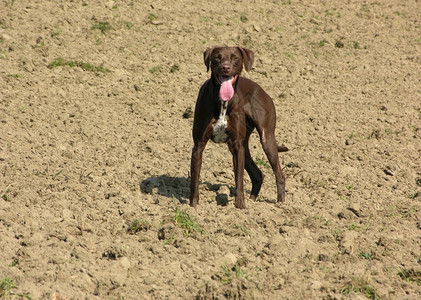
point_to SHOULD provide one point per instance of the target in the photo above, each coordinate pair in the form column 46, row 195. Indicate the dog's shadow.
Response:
column 179, row 188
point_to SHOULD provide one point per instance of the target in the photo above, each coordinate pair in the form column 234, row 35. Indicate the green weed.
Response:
column 170, row 240
column 17, row 76
column 261, row 162
column 356, row 45
column 5, row 196
column 174, row 68
column 152, row 17
column 11, row 2
column 289, row 55
column 15, row 262
column 182, row 218
column 128, row 24
column 229, row 273
column 414, row 195
column 411, row 275
column 360, row 285
column 57, row 31
column 102, row 26
column 367, row 255
column 243, row 229
column 60, row 62
column 138, row 225
column 6, row 286
column 155, row 69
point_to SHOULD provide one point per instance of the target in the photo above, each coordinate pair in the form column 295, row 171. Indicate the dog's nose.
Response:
column 226, row 68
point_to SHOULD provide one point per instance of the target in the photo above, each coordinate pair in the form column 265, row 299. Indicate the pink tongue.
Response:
column 226, row 92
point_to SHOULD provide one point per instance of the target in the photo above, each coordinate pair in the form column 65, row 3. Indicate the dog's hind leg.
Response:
column 271, row 149
column 252, row 169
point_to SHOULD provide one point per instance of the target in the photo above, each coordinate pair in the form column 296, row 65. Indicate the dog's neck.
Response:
column 224, row 105
column 219, row 128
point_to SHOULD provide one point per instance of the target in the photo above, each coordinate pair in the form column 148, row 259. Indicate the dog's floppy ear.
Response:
column 207, row 57
column 248, row 58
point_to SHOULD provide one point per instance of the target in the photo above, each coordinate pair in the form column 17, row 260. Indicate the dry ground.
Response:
column 95, row 151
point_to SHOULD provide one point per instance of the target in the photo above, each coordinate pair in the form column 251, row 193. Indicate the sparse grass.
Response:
column 60, row 62
column 357, row 227
column 229, row 273
column 17, row 76
column 155, row 69
column 138, row 225
column 262, row 162
column 6, row 196
column 15, row 262
column 152, row 18
column 322, row 43
column 11, row 2
column 174, row 68
column 367, row 255
column 57, row 31
column 408, row 212
column 169, row 240
column 324, row 221
column 411, row 275
column 289, row 55
column 102, row 26
column 243, row 229
column 414, row 195
column 183, row 219
column 128, row 24
column 356, row 45
column 6, row 286
column 360, row 285
column 282, row 96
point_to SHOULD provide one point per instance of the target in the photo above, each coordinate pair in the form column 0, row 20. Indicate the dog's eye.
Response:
column 235, row 57
column 218, row 57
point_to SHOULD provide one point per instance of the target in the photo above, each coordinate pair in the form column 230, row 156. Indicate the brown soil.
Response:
column 96, row 141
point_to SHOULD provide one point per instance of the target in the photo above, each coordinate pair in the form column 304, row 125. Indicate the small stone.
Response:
column 125, row 263
column 316, row 285
column 229, row 259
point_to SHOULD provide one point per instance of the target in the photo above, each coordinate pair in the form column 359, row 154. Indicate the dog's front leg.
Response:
column 196, row 165
column 238, row 155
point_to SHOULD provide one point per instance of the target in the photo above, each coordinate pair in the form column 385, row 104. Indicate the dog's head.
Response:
column 227, row 62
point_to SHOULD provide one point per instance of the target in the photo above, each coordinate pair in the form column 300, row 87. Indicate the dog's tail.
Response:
column 282, row 149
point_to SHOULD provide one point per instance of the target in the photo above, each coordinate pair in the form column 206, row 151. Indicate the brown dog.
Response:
column 228, row 109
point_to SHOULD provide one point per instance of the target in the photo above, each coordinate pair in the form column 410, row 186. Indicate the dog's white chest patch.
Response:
column 219, row 131
column 220, row 127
